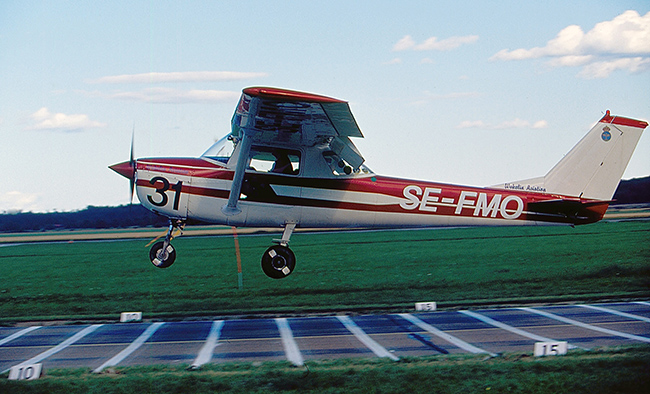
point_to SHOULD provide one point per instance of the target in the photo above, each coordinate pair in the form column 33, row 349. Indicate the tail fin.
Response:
column 594, row 167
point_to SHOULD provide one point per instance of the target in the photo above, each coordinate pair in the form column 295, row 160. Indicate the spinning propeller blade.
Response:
column 132, row 165
column 127, row 169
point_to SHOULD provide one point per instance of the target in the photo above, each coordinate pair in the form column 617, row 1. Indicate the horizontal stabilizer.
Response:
column 577, row 211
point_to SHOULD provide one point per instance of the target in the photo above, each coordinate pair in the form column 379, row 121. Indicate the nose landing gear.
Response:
column 162, row 254
column 279, row 261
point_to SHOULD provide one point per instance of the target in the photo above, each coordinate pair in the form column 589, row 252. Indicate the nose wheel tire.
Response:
column 278, row 262
column 162, row 258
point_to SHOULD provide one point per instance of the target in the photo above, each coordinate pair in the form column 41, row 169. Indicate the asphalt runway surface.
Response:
column 301, row 339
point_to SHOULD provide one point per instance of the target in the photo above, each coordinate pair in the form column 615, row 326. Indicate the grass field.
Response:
column 340, row 271
column 609, row 371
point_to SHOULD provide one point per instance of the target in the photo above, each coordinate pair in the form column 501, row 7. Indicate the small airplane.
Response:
column 289, row 162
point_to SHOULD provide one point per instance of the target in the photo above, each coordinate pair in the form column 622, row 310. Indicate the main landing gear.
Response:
column 162, row 254
column 279, row 261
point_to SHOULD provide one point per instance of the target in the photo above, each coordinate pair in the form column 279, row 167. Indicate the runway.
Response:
column 298, row 340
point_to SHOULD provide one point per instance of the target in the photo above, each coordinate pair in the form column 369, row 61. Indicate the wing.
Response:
column 270, row 115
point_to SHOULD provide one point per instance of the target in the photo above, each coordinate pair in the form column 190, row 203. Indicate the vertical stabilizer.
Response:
column 594, row 167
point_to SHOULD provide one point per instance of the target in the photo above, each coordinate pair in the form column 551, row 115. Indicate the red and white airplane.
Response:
column 289, row 162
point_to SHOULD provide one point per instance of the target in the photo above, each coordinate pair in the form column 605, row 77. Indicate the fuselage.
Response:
column 198, row 188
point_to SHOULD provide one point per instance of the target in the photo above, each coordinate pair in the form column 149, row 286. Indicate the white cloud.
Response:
column 173, row 96
column 187, row 76
column 45, row 120
column 620, row 44
column 471, row 124
column 452, row 95
column 404, row 43
column 603, row 69
column 540, row 124
column 15, row 201
column 509, row 124
column 407, row 43
column 394, row 61
column 428, row 97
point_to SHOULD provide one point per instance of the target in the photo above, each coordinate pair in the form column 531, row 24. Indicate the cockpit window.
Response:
column 342, row 167
column 221, row 150
column 275, row 160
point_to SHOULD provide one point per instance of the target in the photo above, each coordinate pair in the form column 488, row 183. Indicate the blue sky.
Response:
column 465, row 92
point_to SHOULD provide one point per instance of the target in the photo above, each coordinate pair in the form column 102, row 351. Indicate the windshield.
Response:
column 221, row 150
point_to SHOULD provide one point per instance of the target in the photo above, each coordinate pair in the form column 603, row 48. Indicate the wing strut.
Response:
column 231, row 208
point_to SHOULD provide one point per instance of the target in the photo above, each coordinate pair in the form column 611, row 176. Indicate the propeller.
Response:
column 132, row 166
column 127, row 168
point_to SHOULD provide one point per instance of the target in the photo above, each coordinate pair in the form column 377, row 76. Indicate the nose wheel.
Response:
column 162, row 254
column 279, row 261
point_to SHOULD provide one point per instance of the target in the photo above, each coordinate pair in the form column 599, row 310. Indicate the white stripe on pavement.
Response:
column 131, row 348
column 615, row 312
column 289, row 344
column 61, row 346
column 18, row 334
column 370, row 343
column 507, row 327
column 205, row 354
column 642, row 303
column 587, row 326
column 441, row 334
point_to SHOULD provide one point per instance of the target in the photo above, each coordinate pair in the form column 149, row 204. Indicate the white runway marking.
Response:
column 205, row 354
column 441, row 334
column 18, row 334
column 61, row 346
column 289, row 344
column 364, row 338
column 512, row 329
column 131, row 348
column 615, row 312
column 587, row 326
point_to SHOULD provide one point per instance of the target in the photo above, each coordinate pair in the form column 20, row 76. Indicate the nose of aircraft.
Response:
column 126, row 169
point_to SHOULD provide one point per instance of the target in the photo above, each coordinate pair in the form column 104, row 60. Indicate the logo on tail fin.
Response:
column 606, row 135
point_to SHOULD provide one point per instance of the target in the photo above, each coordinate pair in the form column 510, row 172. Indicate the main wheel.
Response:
column 278, row 262
column 162, row 258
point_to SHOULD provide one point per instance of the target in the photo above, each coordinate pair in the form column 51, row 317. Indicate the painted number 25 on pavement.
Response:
column 160, row 191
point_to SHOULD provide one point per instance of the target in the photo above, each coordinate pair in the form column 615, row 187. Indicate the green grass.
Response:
column 335, row 271
column 623, row 370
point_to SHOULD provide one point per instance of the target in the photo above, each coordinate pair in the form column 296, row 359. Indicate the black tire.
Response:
column 153, row 255
column 278, row 262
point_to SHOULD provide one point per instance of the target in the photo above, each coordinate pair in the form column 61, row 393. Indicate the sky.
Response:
column 465, row 92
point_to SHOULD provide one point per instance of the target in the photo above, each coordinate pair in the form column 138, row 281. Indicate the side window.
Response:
column 275, row 160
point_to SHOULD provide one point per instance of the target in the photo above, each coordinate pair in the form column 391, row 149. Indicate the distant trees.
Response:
column 633, row 191
column 90, row 218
